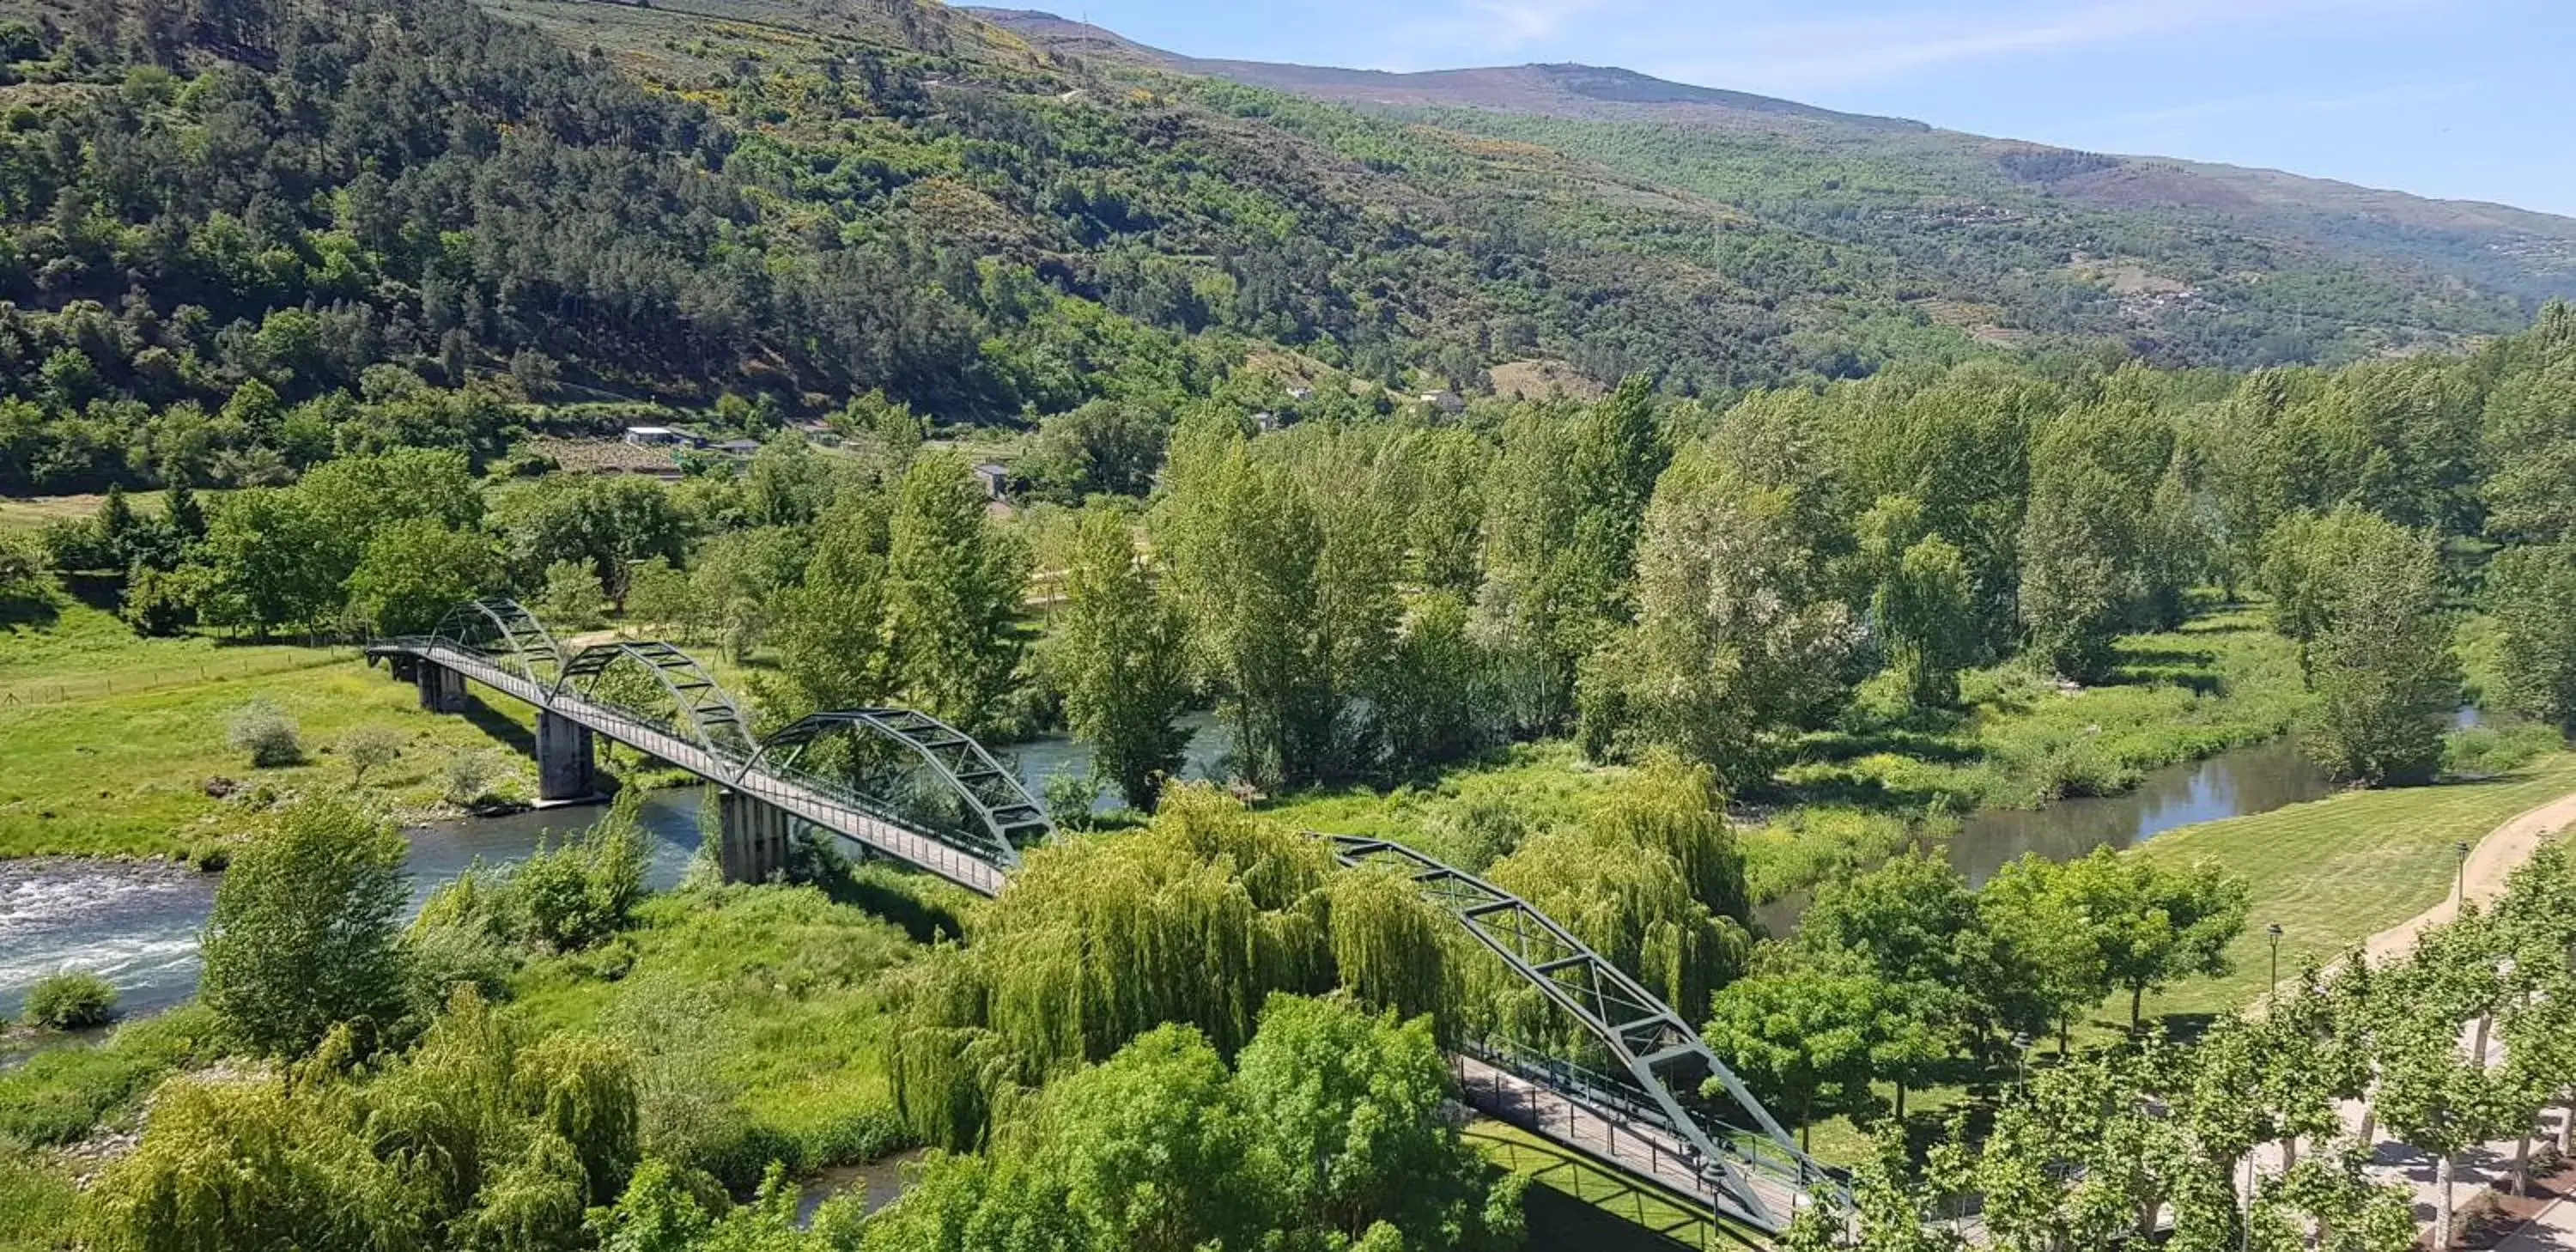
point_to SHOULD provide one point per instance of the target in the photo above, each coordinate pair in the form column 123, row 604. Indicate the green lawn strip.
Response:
column 2335, row 871
column 1648, row 1215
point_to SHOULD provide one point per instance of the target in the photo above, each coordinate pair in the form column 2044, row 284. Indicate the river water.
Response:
column 135, row 923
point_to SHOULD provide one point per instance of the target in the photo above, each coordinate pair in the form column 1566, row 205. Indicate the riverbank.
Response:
column 1855, row 794
column 118, row 746
column 2336, row 872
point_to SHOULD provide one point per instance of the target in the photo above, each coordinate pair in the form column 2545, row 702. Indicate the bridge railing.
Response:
column 1615, row 1100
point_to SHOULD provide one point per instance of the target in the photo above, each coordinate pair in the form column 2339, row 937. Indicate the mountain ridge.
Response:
column 1557, row 90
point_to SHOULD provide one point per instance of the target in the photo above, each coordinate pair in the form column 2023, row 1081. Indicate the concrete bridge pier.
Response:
column 567, row 767
column 754, row 839
column 442, row 690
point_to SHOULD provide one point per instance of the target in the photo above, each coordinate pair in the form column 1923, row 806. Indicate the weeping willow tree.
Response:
column 1653, row 882
column 1195, row 919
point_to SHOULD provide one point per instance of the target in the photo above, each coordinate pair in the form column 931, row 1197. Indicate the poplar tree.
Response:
column 953, row 590
column 1117, row 654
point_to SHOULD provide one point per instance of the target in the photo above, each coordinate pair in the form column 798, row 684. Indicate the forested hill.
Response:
column 2529, row 255
column 247, row 235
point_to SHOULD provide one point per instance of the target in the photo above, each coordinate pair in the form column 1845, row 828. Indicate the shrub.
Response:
column 575, row 895
column 71, row 1000
column 368, row 748
column 267, row 733
column 1070, row 796
column 2485, row 751
column 469, row 775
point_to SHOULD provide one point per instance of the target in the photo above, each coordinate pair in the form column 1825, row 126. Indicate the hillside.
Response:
column 795, row 203
column 2526, row 255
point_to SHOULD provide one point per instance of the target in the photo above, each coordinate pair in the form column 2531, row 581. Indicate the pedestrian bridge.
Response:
column 1626, row 1080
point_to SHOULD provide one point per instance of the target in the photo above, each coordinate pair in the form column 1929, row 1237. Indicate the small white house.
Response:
column 660, row 437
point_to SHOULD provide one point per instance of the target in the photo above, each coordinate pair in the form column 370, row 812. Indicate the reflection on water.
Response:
column 2234, row 783
column 879, row 1181
column 136, row 923
column 1203, row 759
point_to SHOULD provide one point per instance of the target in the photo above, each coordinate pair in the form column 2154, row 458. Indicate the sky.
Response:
column 2450, row 98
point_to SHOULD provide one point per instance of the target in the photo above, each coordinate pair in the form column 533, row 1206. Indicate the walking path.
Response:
column 2491, row 862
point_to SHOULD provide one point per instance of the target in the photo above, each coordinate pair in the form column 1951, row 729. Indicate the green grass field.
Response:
column 2335, row 871
column 111, row 738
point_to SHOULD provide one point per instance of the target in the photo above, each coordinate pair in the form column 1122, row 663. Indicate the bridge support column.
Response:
column 754, row 838
column 567, row 768
column 406, row 668
column 442, row 690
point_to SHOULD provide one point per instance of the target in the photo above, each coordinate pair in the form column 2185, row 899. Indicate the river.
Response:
column 135, row 923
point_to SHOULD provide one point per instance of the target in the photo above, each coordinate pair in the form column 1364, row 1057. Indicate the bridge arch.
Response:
column 703, row 709
column 1660, row 1057
column 1002, row 813
column 508, row 633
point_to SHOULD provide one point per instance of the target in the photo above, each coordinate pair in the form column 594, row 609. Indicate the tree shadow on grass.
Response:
column 33, row 613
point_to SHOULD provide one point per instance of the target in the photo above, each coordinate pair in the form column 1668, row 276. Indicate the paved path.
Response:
column 2553, row 1229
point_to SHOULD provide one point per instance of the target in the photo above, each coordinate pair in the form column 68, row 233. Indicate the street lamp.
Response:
column 2460, row 888
column 2273, row 933
column 2021, row 1058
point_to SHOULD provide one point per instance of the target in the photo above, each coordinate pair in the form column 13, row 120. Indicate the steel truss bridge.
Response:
column 1633, row 1100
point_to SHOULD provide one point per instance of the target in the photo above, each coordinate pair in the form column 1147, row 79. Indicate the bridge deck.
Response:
column 1645, row 1151
column 859, row 825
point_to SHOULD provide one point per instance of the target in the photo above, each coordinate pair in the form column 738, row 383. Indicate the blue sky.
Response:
column 2454, row 98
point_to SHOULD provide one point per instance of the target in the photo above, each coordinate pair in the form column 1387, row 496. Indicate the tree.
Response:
column 831, row 629
column 22, row 572
column 2152, row 925
column 1117, row 653
column 2435, row 1097
column 1244, row 545
column 1927, row 621
column 417, row 569
column 306, row 928
column 659, row 596
column 1736, row 640
column 1799, row 1037
column 1150, row 1146
column 1346, row 1115
column 2379, row 655
column 1105, row 446
column 953, row 592
column 2531, row 594
column 1912, row 925
column 570, row 597
column 2050, row 968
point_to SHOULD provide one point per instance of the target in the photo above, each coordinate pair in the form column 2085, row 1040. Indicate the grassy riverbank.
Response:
column 2338, row 870
column 1856, row 793
column 111, row 739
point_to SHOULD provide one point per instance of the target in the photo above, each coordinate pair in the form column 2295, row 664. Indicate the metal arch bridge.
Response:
column 1639, row 1111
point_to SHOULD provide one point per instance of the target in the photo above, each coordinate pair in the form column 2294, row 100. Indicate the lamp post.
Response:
column 2460, row 885
column 2273, row 933
column 2021, row 1058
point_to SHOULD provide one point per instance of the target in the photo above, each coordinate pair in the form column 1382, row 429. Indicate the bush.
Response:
column 2485, row 751
column 71, row 1000
column 469, row 775
column 1070, row 796
column 267, row 733
column 368, row 748
column 580, row 893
